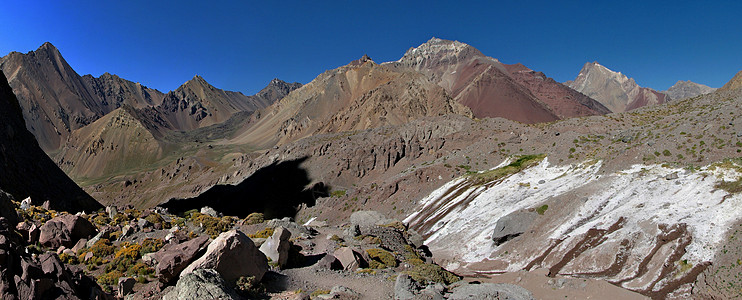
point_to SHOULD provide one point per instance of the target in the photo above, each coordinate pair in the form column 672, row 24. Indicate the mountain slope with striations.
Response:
column 26, row 170
column 614, row 90
column 493, row 89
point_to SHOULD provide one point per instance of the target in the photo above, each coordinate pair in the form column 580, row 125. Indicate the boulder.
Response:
column 349, row 259
column 404, row 287
column 210, row 211
column 277, row 246
column 295, row 228
column 112, row 211
column 65, row 230
column 366, row 218
column 328, row 262
column 671, row 176
column 104, row 233
column 173, row 258
column 26, row 203
column 512, row 225
column 201, row 284
column 233, row 255
column 126, row 286
column 489, row 291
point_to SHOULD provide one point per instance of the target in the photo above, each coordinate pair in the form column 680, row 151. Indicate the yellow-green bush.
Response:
column 265, row 233
column 381, row 259
column 110, row 278
column 427, row 273
column 254, row 218
column 212, row 226
column 68, row 259
column 102, row 248
column 151, row 245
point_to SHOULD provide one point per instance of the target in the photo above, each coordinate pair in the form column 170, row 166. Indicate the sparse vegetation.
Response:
column 521, row 163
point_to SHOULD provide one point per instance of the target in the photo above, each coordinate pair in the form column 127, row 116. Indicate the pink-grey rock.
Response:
column 233, row 255
column 173, row 258
column 277, row 246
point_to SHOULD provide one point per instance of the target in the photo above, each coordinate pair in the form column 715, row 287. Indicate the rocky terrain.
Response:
column 687, row 89
column 614, row 90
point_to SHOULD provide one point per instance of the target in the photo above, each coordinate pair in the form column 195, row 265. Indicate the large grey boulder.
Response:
column 201, row 284
column 489, row 291
column 512, row 225
column 277, row 246
column 173, row 258
column 233, row 255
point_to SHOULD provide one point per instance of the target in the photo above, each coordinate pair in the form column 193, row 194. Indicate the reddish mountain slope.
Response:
column 492, row 89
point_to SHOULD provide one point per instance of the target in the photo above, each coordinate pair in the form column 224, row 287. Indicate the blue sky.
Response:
column 242, row 45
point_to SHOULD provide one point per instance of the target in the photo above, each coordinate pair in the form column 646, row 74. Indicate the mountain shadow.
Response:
column 276, row 190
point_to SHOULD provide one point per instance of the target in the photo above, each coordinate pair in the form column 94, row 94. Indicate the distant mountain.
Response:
column 614, row 90
column 686, row 89
column 26, row 170
column 197, row 103
column 56, row 100
column 734, row 83
column 493, row 89
column 360, row 95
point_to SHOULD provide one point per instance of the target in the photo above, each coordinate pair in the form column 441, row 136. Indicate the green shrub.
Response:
column 102, row 248
column 110, row 278
column 211, row 225
column 521, row 163
column 430, row 273
column 265, row 233
column 542, row 209
column 731, row 187
column 254, row 218
column 150, row 245
column 666, row 153
column 68, row 259
column 381, row 258
column 338, row 193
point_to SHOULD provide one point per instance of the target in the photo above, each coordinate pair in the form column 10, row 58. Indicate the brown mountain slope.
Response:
column 53, row 97
column 357, row 96
column 614, row 90
column 26, row 170
column 492, row 89
column 733, row 84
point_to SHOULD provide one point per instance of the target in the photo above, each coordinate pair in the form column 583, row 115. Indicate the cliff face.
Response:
column 26, row 170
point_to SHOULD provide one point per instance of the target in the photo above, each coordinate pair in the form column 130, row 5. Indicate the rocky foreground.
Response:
column 131, row 254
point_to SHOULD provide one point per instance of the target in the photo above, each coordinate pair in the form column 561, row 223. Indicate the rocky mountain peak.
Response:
column 439, row 49
column 686, row 89
column 614, row 90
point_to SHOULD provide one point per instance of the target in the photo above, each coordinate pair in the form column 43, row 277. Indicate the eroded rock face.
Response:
column 201, row 284
column 65, row 230
column 172, row 259
column 233, row 255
